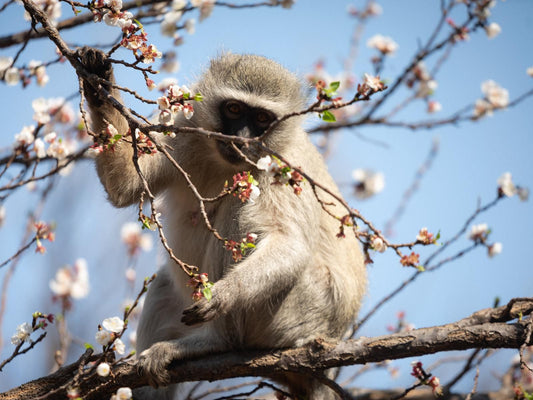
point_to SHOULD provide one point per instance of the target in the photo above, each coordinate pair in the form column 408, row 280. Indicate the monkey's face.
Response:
column 240, row 119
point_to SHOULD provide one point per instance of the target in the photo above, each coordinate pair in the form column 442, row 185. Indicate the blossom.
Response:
column 103, row 337
column 494, row 249
column 378, row 244
column 103, row 369
column 479, row 232
column 384, row 44
column 40, row 108
column 497, row 96
column 58, row 150
column 505, row 185
column 425, row 237
column 264, row 163
column 426, row 88
column 523, row 193
column 188, row 111
column 190, row 26
column 12, row 76
column 254, row 193
column 71, row 281
column 123, row 393
column 132, row 237
column 529, row 71
column 2, row 214
column 119, row 346
column 150, row 53
column 368, row 183
column 113, row 324
column 5, row 63
column 25, row 136
column 493, row 30
column 373, row 82
column 434, row 106
column 22, row 334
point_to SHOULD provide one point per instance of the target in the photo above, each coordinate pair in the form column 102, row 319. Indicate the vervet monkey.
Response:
column 301, row 282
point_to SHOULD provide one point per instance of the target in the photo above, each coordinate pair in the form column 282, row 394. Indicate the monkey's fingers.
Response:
column 200, row 312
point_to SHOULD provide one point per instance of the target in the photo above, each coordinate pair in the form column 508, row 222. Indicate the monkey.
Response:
column 301, row 282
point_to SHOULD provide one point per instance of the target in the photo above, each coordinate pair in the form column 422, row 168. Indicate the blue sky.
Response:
column 471, row 157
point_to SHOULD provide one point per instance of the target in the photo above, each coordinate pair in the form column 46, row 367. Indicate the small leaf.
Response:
column 88, row 346
column 333, row 86
column 206, row 291
column 420, row 268
column 327, row 116
column 198, row 97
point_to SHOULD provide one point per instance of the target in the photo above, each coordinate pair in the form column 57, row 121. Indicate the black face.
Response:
column 239, row 119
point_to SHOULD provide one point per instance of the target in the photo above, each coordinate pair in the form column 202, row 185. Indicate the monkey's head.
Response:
column 243, row 94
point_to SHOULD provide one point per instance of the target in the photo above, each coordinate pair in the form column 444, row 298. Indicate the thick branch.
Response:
column 477, row 331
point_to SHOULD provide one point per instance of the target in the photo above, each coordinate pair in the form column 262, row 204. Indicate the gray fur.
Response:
column 300, row 283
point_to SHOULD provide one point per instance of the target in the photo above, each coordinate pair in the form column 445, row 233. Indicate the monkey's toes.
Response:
column 154, row 364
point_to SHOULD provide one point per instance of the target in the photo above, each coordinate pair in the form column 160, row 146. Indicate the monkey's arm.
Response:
column 273, row 268
column 115, row 167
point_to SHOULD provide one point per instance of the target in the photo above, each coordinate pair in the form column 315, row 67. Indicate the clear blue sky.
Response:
column 471, row 158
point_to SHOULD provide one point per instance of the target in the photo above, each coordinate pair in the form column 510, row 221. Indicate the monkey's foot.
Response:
column 154, row 363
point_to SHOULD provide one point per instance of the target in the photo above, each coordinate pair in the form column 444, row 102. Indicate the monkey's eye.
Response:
column 263, row 119
column 233, row 109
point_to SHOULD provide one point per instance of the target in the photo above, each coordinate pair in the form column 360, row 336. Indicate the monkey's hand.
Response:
column 154, row 363
column 204, row 310
column 96, row 62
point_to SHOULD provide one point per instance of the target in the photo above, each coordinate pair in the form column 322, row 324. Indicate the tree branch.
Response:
column 489, row 328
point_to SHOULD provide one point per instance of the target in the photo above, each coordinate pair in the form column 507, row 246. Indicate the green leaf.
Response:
column 198, row 97
column 327, row 116
column 333, row 86
column 420, row 268
column 88, row 346
column 206, row 291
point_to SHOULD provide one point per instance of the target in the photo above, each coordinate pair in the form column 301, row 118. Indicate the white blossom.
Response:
column 378, row 244
column 123, row 393
column 103, row 369
column 113, row 324
column 5, row 63
column 478, row 231
column 131, row 235
column 25, row 136
column 188, row 112
column 434, row 106
column 38, row 148
column 495, row 249
column 2, row 215
column 71, row 281
column 190, row 26
column 523, row 194
column 115, row 5
column 119, row 345
column 22, row 334
column 166, row 118
column 368, row 183
column 264, row 162
column 493, row 30
column 384, row 44
column 58, row 149
column 12, row 76
column 497, row 96
column 506, row 185
column 254, row 194
column 529, row 71
column 426, row 88
column 373, row 82
column 103, row 337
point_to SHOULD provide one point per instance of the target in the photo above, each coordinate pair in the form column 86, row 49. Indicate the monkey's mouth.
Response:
column 229, row 153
